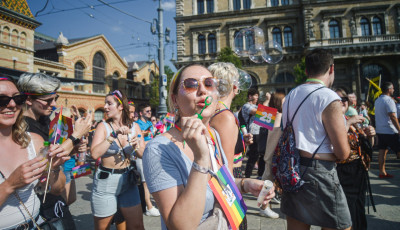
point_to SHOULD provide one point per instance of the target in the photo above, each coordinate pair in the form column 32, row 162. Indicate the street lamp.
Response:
column 162, row 107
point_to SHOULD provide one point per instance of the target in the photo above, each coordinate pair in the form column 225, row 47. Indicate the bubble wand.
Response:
column 206, row 104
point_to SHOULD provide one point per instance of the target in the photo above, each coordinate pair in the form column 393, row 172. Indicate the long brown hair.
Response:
column 121, row 98
column 277, row 101
column 18, row 131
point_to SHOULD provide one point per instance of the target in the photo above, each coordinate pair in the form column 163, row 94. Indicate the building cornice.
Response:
column 19, row 19
column 47, row 63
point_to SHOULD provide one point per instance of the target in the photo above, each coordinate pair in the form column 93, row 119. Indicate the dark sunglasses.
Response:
column 18, row 99
column 48, row 101
column 191, row 85
column 344, row 99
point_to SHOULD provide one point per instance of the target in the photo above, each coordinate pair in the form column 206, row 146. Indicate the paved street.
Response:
column 386, row 194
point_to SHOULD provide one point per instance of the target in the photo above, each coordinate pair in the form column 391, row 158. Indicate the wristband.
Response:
column 242, row 185
column 199, row 168
column 110, row 139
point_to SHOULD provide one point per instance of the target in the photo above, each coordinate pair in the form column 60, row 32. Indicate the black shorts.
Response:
column 389, row 140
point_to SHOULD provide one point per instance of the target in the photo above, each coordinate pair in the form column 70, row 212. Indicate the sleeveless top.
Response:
column 114, row 148
column 11, row 212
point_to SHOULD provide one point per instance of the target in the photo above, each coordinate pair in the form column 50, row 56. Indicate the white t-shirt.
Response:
column 384, row 105
column 307, row 125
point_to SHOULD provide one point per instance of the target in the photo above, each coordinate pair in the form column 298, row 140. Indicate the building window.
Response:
column 200, row 6
column 98, row 115
column 277, row 36
column 22, row 41
column 334, row 29
column 79, row 71
column 365, row 29
column 202, row 44
column 287, row 32
column 238, row 42
column 115, row 77
column 246, row 4
column 212, row 44
column 14, row 38
column 236, row 4
column 284, row 82
column 210, row 6
column 284, row 2
column 274, row 2
column 5, row 38
column 377, row 26
column 99, row 72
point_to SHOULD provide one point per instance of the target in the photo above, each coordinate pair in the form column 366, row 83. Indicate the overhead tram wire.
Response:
column 126, row 13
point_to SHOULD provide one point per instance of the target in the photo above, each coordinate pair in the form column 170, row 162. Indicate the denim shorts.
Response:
column 112, row 192
column 321, row 200
column 68, row 176
column 139, row 166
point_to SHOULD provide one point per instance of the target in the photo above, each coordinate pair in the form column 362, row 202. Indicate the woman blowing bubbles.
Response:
column 176, row 163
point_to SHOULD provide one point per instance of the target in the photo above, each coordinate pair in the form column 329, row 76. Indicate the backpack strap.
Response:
column 300, row 104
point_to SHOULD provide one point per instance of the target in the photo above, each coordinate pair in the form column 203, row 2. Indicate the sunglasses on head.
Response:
column 344, row 99
column 18, row 99
column 191, row 84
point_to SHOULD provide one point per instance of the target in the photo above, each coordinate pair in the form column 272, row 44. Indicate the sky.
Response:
column 127, row 27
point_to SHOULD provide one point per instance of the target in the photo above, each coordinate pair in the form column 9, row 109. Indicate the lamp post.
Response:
column 162, row 107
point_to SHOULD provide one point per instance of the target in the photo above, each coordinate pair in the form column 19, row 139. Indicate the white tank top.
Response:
column 12, row 213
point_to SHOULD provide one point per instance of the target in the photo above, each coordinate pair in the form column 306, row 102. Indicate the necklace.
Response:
column 315, row 80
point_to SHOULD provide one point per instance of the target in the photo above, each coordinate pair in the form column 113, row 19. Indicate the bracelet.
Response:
column 200, row 168
column 242, row 185
column 110, row 139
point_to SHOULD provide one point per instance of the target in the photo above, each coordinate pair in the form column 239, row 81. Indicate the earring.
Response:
column 176, row 111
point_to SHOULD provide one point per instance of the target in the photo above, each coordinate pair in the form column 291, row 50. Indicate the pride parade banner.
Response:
column 228, row 197
column 81, row 170
column 60, row 128
column 265, row 116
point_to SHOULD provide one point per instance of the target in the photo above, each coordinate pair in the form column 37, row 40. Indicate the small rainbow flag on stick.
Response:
column 81, row 170
column 170, row 118
column 265, row 116
column 60, row 128
column 229, row 197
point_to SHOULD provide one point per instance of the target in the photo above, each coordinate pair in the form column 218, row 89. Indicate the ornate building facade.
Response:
column 364, row 36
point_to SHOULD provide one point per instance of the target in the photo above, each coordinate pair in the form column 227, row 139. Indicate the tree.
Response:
column 154, row 98
column 227, row 55
column 300, row 72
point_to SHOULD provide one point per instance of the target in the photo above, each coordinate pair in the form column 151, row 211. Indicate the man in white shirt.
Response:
column 387, row 126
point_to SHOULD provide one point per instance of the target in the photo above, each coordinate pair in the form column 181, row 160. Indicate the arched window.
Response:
column 284, row 2
column 277, row 35
column 212, row 44
column 274, row 2
column 115, row 77
column 377, row 26
column 210, row 6
column 14, row 38
column 99, row 72
column 238, row 42
column 365, row 29
column 98, row 115
column 284, row 82
column 79, row 72
column 334, row 29
column 202, row 44
column 5, row 38
column 288, row 36
column 371, row 71
column 246, row 4
column 236, row 4
column 200, row 6
column 22, row 41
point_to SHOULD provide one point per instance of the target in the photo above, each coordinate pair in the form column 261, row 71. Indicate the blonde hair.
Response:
column 227, row 74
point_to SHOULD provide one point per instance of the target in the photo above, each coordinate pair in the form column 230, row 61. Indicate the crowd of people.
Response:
column 140, row 156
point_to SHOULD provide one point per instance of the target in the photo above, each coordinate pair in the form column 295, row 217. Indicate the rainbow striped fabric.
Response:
column 60, row 128
column 170, row 118
column 265, row 116
column 229, row 198
column 81, row 170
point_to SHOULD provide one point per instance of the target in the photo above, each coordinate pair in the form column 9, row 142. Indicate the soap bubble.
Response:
column 257, row 53
column 241, row 38
column 244, row 81
column 223, row 87
column 273, row 52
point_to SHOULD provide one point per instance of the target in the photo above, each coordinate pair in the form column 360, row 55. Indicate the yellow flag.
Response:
column 374, row 91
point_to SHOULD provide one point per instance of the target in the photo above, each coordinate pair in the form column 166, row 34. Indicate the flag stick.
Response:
column 51, row 159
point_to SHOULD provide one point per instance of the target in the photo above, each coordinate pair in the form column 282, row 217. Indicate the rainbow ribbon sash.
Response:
column 265, row 116
column 229, row 197
column 81, row 170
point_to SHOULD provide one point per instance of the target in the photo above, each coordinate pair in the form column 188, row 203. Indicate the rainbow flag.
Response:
column 229, row 197
column 265, row 116
column 170, row 118
column 60, row 128
column 81, row 170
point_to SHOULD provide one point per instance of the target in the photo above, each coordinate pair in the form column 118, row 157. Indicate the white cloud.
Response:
column 135, row 57
column 116, row 29
column 169, row 6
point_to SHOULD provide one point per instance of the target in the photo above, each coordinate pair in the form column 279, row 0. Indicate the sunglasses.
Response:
column 191, row 85
column 18, row 99
column 344, row 99
column 48, row 101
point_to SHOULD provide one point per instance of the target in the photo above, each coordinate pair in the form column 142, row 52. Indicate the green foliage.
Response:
column 227, row 55
column 300, row 72
column 154, row 97
column 239, row 100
